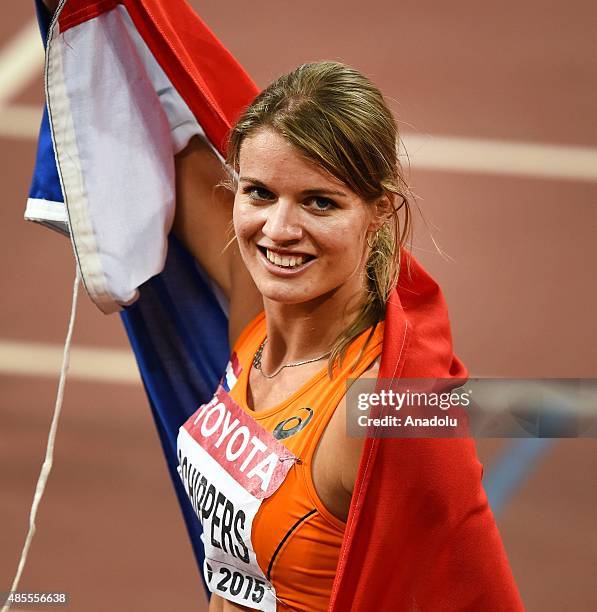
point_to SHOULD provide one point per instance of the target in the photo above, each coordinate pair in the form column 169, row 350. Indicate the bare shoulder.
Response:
column 352, row 447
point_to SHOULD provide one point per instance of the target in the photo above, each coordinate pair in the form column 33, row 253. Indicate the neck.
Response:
column 296, row 332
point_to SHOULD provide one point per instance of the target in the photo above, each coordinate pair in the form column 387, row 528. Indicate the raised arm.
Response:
column 204, row 211
column 203, row 224
column 203, row 215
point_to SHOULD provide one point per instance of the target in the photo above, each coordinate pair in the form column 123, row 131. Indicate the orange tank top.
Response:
column 270, row 543
column 297, row 540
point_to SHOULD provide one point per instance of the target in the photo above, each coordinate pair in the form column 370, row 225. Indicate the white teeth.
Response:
column 285, row 261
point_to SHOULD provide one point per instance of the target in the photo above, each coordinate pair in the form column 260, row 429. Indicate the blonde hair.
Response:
column 336, row 117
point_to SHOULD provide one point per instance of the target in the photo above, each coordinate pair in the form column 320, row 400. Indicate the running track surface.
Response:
column 520, row 288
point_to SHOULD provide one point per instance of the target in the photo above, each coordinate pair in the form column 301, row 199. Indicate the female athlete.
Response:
column 315, row 253
column 304, row 231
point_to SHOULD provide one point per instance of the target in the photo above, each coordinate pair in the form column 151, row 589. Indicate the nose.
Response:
column 283, row 224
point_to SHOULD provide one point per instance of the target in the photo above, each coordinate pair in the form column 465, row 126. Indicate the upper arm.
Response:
column 203, row 211
column 203, row 223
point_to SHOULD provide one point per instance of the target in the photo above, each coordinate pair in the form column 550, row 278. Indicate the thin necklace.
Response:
column 257, row 361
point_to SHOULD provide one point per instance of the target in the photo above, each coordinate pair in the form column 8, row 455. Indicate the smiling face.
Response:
column 301, row 232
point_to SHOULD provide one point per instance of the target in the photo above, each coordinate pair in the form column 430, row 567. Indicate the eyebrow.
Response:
column 305, row 192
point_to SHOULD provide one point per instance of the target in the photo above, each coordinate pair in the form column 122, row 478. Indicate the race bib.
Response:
column 228, row 465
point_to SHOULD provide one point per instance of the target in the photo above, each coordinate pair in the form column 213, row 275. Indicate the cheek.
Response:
column 245, row 223
column 237, row 220
column 344, row 239
column 349, row 248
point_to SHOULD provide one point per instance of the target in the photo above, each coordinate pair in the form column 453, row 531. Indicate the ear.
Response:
column 383, row 210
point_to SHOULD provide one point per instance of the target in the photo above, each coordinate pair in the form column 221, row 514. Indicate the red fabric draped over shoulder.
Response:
column 420, row 534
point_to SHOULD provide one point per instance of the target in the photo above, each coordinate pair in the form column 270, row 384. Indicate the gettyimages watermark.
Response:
column 477, row 407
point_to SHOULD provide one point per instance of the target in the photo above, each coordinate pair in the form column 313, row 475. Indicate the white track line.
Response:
column 440, row 153
column 92, row 364
column 21, row 59
column 20, row 122
column 472, row 155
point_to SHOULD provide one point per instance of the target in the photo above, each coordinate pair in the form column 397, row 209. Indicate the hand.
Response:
column 51, row 5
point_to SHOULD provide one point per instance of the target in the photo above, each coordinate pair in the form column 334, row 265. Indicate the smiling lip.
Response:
column 279, row 271
column 284, row 251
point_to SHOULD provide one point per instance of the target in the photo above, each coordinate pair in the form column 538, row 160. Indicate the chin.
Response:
column 286, row 295
column 287, row 292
